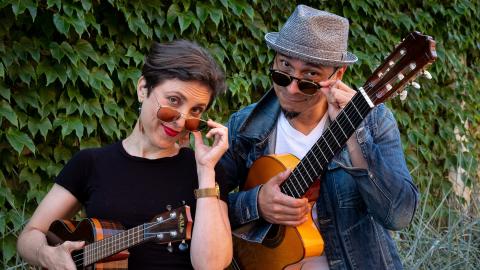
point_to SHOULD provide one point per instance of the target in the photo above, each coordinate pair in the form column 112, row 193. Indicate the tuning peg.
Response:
column 169, row 207
column 416, row 85
column 183, row 246
column 169, row 247
column 427, row 74
column 403, row 95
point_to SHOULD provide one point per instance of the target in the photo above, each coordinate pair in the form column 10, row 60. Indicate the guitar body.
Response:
column 284, row 246
column 89, row 230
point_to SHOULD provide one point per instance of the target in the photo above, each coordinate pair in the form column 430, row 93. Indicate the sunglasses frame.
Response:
column 315, row 85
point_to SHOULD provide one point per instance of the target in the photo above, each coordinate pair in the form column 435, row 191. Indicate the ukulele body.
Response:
column 89, row 230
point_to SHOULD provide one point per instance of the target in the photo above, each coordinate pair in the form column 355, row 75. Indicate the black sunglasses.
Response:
column 284, row 79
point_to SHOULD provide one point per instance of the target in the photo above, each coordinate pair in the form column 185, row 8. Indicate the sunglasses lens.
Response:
column 308, row 88
column 167, row 114
column 194, row 124
column 280, row 78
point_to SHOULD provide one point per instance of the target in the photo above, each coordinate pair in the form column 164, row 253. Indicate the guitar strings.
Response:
column 335, row 129
column 105, row 242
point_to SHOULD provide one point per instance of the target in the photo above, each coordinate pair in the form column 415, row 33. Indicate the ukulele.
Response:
column 287, row 247
column 107, row 241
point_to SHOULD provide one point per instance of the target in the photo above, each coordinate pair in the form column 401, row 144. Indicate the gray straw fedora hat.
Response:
column 313, row 36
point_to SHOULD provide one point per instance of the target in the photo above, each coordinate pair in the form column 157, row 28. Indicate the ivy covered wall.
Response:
column 68, row 71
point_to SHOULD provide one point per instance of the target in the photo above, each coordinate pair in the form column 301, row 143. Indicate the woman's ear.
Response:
column 141, row 89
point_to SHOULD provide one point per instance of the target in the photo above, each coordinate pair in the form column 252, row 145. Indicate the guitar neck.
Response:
column 315, row 162
column 109, row 246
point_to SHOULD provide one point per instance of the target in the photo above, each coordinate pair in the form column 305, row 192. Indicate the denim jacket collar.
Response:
column 262, row 119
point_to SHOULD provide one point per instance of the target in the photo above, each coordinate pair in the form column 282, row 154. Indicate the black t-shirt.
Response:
column 113, row 185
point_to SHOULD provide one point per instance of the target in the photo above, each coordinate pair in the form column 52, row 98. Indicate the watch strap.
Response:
column 207, row 192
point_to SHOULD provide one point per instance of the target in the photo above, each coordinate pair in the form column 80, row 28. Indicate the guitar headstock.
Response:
column 401, row 67
column 171, row 226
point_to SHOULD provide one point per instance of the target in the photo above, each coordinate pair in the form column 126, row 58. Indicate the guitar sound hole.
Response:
column 275, row 236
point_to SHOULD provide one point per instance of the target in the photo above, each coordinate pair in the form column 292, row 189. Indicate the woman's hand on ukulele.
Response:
column 278, row 208
column 59, row 257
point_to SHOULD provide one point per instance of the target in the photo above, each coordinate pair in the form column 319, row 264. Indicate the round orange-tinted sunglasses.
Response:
column 169, row 114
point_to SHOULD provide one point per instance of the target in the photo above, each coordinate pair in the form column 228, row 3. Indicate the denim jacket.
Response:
column 356, row 208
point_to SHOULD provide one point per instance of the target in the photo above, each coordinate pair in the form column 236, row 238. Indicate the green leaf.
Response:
column 90, row 125
column 8, row 247
column 98, row 77
column 56, row 51
column 136, row 55
column 110, row 107
column 216, row 15
column 33, row 10
column 2, row 70
column 19, row 6
column 32, row 179
column 86, row 4
column 173, row 13
column 202, row 12
column 4, row 91
column 78, row 23
column 109, row 126
column 93, row 107
column 85, row 50
column 61, row 153
column 50, row 73
column 26, row 73
column 57, row 3
column 185, row 20
column 90, row 143
column 35, row 125
column 18, row 140
column 61, row 24
column 7, row 112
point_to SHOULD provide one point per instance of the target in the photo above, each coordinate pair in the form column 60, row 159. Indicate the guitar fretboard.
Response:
column 313, row 165
column 107, row 247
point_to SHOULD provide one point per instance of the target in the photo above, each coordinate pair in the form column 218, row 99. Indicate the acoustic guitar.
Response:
column 287, row 247
column 107, row 241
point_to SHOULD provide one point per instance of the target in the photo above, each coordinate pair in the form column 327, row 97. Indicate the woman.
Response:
column 133, row 180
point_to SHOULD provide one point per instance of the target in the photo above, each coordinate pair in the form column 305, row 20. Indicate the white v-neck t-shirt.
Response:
column 291, row 141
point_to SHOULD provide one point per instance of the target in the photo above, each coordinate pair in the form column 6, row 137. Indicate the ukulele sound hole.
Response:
column 274, row 236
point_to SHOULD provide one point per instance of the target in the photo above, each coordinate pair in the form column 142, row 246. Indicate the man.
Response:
column 365, row 191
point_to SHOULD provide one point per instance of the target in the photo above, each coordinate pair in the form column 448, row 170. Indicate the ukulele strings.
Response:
column 105, row 242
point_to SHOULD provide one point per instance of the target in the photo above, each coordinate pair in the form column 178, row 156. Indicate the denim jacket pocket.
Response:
column 365, row 246
column 346, row 189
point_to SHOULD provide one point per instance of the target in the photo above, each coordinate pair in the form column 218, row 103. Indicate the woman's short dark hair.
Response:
column 183, row 60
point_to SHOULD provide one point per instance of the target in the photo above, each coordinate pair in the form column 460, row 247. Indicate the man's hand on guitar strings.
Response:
column 278, row 208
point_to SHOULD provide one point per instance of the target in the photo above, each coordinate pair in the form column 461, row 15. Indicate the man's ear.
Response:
column 340, row 71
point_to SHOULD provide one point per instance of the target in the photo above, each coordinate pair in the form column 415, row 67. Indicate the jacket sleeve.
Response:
column 389, row 192
column 242, row 206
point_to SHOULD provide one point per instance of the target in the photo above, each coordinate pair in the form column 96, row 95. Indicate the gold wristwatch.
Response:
column 207, row 192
